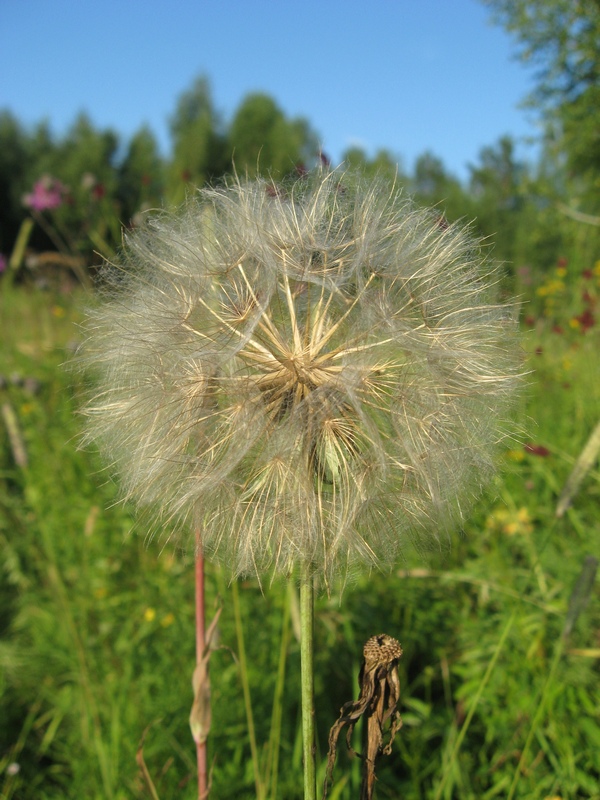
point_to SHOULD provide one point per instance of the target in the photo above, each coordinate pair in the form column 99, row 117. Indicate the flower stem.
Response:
column 200, row 647
column 239, row 629
column 272, row 769
column 307, row 681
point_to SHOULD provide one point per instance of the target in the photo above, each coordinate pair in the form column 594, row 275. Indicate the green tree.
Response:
column 517, row 208
column 41, row 146
column 262, row 140
column 562, row 38
column 496, row 187
column 86, row 162
column 433, row 185
column 141, row 182
column 86, row 150
column 543, row 234
column 355, row 157
column 384, row 163
column 198, row 142
column 14, row 155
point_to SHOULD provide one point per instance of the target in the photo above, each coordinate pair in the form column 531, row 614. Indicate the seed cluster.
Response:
column 315, row 374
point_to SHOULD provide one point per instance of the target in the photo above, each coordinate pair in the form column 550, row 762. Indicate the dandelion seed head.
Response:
column 316, row 374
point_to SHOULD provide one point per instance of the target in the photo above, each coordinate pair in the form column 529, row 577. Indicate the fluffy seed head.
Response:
column 313, row 373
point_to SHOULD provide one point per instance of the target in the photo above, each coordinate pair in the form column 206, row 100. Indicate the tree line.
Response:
column 531, row 213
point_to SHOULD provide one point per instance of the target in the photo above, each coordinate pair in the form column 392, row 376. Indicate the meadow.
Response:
column 501, row 632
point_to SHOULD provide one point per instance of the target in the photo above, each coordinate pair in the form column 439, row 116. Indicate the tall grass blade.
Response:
column 473, row 707
column 239, row 629
column 581, row 593
column 272, row 769
column 577, row 602
column 583, row 465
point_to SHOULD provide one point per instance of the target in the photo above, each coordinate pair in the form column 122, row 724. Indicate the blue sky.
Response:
column 406, row 75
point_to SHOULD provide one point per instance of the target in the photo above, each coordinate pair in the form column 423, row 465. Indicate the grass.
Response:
column 96, row 626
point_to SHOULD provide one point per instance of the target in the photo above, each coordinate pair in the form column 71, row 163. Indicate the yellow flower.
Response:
column 520, row 523
column 509, row 522
column 167, row 620
column 168, row 561
column 515, row 455
column 149, row 614
column 496, row 519
column 58, row 312
column 561, row 272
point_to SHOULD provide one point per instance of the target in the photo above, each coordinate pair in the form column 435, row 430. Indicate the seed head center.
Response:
column 300, row 369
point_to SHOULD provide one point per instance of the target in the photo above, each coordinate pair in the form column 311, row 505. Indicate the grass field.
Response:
column 96, row 626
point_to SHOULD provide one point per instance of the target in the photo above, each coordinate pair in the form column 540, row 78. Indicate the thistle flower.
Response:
column 309, row 375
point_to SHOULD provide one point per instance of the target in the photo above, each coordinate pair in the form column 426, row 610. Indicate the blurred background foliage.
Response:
column 525, row 209
column 501, row 636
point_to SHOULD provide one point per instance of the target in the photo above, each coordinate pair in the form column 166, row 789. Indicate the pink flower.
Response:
column 47, row 193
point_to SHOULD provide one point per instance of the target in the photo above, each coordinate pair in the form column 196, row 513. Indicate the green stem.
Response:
column 272, row 769
column 307, row 680
column 239, row 629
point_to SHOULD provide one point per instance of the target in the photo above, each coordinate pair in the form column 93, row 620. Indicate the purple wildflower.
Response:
column 47, row 193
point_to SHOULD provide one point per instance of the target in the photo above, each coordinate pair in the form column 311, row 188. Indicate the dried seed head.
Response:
column 382, row 649
column 377, row 704
column 308, row 375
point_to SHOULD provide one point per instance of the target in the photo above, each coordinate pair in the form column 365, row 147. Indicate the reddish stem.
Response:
column 200, row 645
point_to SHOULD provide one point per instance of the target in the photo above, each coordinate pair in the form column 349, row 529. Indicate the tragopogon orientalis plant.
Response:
column 309, row 375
